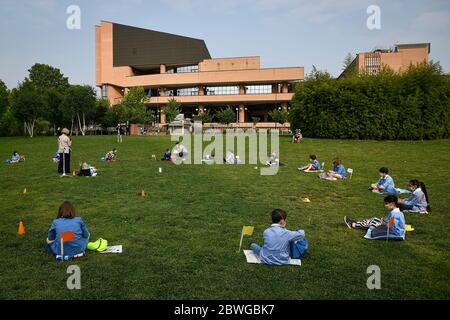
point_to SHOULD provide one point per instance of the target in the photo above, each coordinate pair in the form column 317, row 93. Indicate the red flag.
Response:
column 68, row 236
column 391, row 221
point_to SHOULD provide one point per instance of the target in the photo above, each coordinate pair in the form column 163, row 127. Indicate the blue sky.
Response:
column 283, row 32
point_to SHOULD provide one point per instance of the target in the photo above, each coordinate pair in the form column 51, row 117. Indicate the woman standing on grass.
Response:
column 64, row 149
column 66, row 222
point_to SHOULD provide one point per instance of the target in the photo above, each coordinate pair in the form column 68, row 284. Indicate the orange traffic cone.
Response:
column 74, row 173
column 142, row 194
column 21, row 230
column 24, row 191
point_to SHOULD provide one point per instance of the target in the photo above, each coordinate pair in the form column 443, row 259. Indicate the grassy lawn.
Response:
column 180, row 241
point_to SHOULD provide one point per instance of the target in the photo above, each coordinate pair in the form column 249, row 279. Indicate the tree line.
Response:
column 412, row 105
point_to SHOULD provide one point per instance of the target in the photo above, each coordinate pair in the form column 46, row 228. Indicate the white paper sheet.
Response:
column 113, row 249
column 253, row 258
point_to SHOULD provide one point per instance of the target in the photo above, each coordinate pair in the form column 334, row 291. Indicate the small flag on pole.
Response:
column 142, row 194
column 350, row 170
column 246, row 231
column 390, row 222
column 66, row 237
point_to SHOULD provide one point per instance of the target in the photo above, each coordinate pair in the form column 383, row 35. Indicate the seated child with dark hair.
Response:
column 391, row 226
column 167, row 155
column 277, row 240
column 15, row 158
column 67, row 222
column 314, row 164
column 385, row 184
column 111, row 156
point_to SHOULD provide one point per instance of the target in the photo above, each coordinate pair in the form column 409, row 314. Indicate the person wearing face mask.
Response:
column 380, row 228
column 418, row 202
column 277, row 240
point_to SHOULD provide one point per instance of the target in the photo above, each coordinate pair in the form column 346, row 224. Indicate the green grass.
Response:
column 180, row 241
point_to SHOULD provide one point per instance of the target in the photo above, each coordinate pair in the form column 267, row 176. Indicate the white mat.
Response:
column 253, row 258
column 113, row 249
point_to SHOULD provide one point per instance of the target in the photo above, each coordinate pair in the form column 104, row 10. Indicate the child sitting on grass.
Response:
column 418, row 202
column 337, row 172
column 378, row 228
column 15, row 158
column 313, row 166
column 166, row 156
column 277, row 240
column 385, row 184
column 111, row 156
column 87, row 170
column 67, row 222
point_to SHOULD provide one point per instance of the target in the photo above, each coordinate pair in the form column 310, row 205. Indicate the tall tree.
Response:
column 4, row 98
column 347, row 61
column 133, row 108
column 79, row 105
column 28, row 106
column 44, row 76
column 172, row 109
column 279, row 116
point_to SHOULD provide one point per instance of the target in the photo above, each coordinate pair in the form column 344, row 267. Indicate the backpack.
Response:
column 298, row 249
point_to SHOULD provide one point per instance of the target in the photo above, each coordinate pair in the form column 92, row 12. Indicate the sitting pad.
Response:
column 253, row 258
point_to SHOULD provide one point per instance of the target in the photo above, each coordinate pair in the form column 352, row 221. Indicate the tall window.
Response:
column 372, row 63
column 104, row 91
column 224, row 90
column 259, row 89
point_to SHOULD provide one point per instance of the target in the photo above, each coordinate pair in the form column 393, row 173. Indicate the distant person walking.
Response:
column 119, row 133
column 64, row 150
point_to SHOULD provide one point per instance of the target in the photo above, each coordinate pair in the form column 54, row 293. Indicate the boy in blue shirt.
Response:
column 393, row 226
column 385, row 184
column 167, row 155
column 314, row 164
column 277, row 240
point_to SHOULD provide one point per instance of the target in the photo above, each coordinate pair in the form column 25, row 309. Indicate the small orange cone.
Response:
column 74, row 173
column 142, row 194
column 21, row 230
column 24, row 190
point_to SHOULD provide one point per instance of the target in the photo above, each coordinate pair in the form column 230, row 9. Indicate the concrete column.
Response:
column 241, row 113
column 201, row 108
column 162, row 118
column 284, row 106
column 275, row 88
column 161, row 92
column 162, row 68
column 285, row 88
column 242, row 90
column 201, row 90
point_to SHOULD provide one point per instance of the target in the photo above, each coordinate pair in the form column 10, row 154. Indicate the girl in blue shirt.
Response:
column 277, row 240
column 338, row 171
column 67, row 222
column 381, row 228
column 418, row 202
column 385, row 184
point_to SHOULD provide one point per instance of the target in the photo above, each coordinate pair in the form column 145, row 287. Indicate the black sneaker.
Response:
column 349, row 222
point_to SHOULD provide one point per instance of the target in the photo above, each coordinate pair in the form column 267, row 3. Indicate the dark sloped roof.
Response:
column 144, row 48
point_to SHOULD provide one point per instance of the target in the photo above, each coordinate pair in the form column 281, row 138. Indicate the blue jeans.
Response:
column 406, row 207
column 255, row 248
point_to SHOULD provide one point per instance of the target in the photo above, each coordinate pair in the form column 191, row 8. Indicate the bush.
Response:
column 9, row 125
column 413, row 105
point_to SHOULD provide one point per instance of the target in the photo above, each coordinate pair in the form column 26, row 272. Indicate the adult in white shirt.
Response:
column 180, row 151
column 64, row 149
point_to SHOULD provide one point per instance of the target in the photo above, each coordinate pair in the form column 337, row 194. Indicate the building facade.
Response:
column 399, row 58
column 169, row 66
